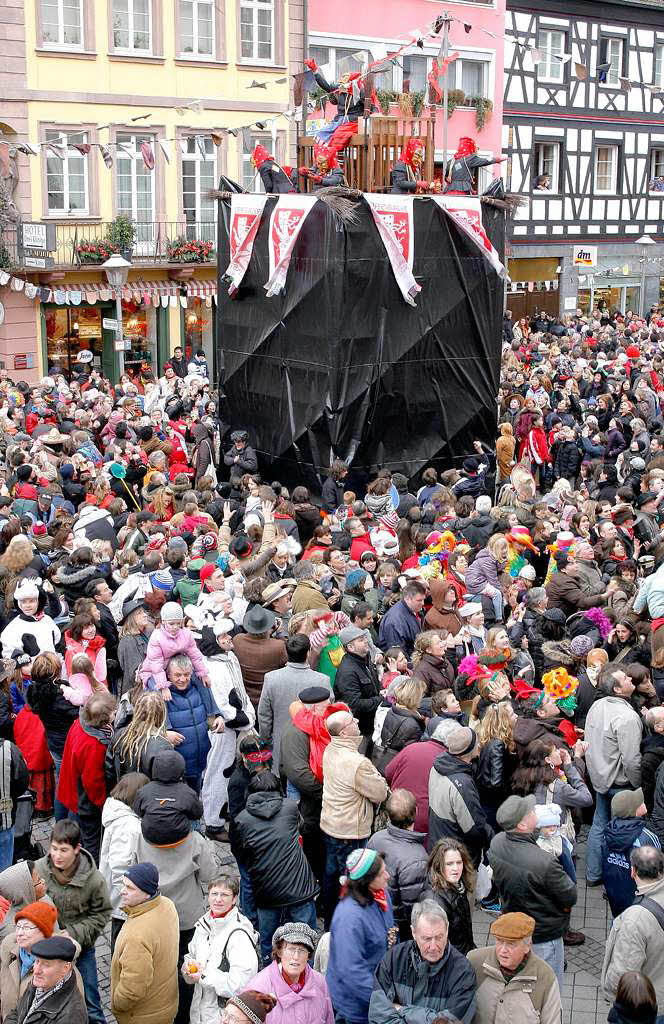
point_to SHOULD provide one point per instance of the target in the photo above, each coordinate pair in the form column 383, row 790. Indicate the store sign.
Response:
column 38, row 262
column 585, row 257
column 109, row 325
column 38, row 236
column 23, row 361
column 570, row 304
column 89, row 331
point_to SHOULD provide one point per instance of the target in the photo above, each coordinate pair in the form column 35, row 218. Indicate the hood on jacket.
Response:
column 437, row 588
column 115, row 810
column 449, row 764
column 264, row 805
column 506, row 429
column 16, row 884
column 168, row 766
column 622, row 833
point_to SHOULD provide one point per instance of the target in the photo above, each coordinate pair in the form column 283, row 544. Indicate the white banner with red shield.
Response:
column 286, row 220
column 246, row 213
column 466, row 212
column 393, row 216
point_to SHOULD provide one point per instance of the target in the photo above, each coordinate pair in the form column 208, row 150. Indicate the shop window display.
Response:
column 70, row 330
column 139, row 321
column 198, row 331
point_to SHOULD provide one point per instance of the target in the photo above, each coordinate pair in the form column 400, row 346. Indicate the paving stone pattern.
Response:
column 583, row 1000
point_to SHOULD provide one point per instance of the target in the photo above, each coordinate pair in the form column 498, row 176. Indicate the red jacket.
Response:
column 410, row 769
column 82, row 764
column 359, row 545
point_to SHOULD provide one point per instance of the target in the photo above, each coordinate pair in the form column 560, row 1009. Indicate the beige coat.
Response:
column 636, row 943
column 12, row 986
column 351, row 789
column 144, row 979
column 531, row 997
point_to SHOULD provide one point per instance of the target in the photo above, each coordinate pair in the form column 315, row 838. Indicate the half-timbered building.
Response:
column 584, row 131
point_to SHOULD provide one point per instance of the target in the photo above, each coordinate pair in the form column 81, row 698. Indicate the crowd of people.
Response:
column 291, row 742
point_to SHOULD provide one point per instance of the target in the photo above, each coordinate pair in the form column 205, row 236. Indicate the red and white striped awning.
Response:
column 201, row 289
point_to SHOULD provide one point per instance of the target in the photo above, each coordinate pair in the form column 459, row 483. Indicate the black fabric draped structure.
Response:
column 338, row 365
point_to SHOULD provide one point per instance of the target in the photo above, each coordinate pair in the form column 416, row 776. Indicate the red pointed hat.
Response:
column 413, row 146
column 260, row 155
column 328, row 152
column 466, row 147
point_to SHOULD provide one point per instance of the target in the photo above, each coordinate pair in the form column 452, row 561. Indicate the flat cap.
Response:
column 314, row 694
column 513, row 810
column 513, row 926
column 55, row 948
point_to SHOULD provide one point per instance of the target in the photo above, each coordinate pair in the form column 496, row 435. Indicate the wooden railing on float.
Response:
column 368, row 158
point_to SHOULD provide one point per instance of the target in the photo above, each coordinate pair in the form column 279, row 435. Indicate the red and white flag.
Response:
column 246, row 213
column 466, row 212
column 286, row 220
column 393, row 216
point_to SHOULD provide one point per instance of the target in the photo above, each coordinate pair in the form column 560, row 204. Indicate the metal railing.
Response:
column 177, row 242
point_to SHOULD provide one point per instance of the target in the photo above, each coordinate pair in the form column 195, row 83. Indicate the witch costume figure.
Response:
column 326, row 172
column 277, row 180
column 348, row 97
column 461, row 169
column 405, row 173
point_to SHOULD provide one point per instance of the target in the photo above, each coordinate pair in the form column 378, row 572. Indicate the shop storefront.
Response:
column 612, row 286
column 533, row 286
column 198, row 330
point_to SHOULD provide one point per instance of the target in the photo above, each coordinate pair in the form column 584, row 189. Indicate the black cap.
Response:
column 314, row 694
column 644, row 498
column 55, row 948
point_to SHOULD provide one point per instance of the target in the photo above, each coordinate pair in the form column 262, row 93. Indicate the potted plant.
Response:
column 483, row 111
column 95, row 250
column 121, row 234
column 189, row 250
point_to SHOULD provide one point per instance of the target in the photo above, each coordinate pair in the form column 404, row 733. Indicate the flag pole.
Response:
column 446, row 41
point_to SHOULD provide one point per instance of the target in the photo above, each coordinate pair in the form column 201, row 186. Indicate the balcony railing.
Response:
column 171, row 243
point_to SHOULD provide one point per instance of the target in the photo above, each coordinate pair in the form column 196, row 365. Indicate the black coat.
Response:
column 445, row 988
column 332, row 494
column 566, row 460
column 494, row 773
column 400, row 728
column 356, row 684
column 167, row 806
column 530, row 879
column 477, row 529
column 116, row 766
column 652, row 756
column 56, row 713
column 294, row 750
column 401, row 179
column 65, row 1006
column 275, row 180
column 437, row 673
column 267, row 839
column 455, row 904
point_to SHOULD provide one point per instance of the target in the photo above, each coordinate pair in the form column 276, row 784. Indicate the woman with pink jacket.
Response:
column 166, row 640
column 301, row 993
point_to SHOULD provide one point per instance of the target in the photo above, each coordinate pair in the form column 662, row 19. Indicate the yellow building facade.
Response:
column 117, row 117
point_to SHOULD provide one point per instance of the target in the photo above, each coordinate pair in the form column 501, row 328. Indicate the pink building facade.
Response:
column 338, row 30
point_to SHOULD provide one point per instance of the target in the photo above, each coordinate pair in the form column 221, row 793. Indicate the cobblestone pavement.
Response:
column 583, row 1001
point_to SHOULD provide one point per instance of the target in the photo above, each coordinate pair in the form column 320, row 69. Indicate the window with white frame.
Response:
column 611, row 52
column 135, row 188
column 415, row 71
column 257, row 30
column 197, row 28
column 251, row 179
column 132, row 29
column 472, row 78
column 335, row 61
column 66, row 175
column 199, row 168
column 606, row 170
column 656, row 170
column 61, row 23
column 551, row 45
column 547, row 163
column 658, row 76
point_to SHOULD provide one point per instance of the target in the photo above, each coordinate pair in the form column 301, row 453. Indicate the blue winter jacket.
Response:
column 188, row 711
column 358, row 942
column 621, row 835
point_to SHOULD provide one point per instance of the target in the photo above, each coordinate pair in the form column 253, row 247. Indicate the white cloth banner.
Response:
column 246, row 213
column 393, row 216
column 286, row 220
column 466, row 212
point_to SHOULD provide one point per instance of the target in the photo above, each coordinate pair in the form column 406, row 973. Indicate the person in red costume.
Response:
column 277, row 180
column 347, row 95
column 405, row 174
column 326, row 171
column 460, row 176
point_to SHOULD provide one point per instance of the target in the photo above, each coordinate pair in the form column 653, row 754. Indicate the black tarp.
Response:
column 340, row 365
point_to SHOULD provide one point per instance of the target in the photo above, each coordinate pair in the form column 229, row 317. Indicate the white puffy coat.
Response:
column 206, row 948
column 118, row 848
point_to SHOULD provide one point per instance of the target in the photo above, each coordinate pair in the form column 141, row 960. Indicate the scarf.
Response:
column 64, row 877
column 27, row 961
column 380, row 897
column 315, row 728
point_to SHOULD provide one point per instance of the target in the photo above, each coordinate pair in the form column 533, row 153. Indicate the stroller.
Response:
column 25, row 848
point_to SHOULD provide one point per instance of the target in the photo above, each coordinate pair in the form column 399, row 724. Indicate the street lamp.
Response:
column 117, row 269
column 643, row 242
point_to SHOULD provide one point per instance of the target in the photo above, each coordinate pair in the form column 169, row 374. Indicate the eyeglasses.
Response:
column 294, row 950
column 22, row 927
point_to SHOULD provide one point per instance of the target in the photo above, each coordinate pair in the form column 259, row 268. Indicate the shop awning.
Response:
column 534, row 286
column 201, row 289
column 156, row 293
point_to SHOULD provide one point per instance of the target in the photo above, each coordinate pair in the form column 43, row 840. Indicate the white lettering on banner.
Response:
column 246, row 213
column 286, row 220
column 393, row 216
column 466, row 212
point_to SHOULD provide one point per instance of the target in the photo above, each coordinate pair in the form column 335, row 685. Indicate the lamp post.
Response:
column 116, row 269
column 643, row 242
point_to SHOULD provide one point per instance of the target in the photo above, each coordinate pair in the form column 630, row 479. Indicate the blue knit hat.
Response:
column 162, row 580
column 144, row 876
column 355, row 577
